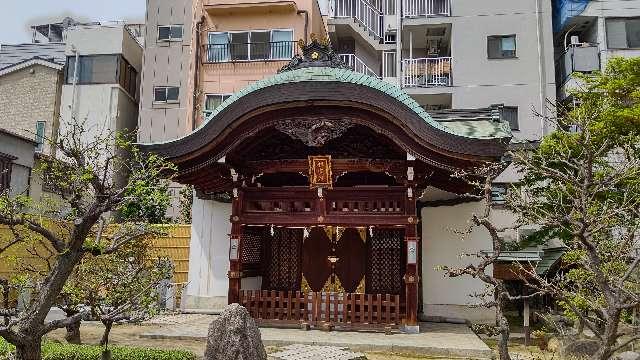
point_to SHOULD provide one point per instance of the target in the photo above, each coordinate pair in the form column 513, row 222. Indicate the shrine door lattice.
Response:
column 283, row 260
column 386, row 262
column 253, row 238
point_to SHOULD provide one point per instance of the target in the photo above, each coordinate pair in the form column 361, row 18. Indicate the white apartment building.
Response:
column 454, row 54
column 588, row 33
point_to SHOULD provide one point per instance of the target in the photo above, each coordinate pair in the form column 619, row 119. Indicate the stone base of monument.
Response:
column 312, row 352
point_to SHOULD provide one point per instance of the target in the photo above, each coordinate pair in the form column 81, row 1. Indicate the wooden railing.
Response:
column 342, row 310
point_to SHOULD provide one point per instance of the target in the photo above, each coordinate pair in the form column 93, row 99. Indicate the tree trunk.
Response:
column 29, row 349
column 503, row 325
column 105, row 336
column 609, row 339
column 73, row 334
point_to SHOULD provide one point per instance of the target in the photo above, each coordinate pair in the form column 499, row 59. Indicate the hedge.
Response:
column 59, row 351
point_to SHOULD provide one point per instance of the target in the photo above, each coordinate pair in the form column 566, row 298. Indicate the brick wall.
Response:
column 30, row 95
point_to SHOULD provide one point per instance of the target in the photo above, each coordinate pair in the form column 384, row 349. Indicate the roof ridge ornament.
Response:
column 317, row 53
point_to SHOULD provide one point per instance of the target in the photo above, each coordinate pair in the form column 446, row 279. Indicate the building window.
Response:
column 94, row 69
column 501, row 47
column 623, row 33
column 170, row 32
column 498, row 194
column 128, row 77
column 40, row 135
column 166, row 94
column 250, row 45
column 510, row 115
column 6, row 163
column 212, row 101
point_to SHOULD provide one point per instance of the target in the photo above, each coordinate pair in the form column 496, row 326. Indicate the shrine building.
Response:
column 325, row 196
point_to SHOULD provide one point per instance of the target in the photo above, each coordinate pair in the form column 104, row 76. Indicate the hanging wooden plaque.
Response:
column 320, row 172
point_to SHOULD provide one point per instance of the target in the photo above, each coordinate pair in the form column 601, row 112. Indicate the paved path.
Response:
column 435, row 339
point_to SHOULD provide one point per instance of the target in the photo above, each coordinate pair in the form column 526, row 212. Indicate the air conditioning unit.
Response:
column 575, row 40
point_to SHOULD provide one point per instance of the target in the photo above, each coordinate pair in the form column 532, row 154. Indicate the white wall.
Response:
column 208, row 283
column 445, row 297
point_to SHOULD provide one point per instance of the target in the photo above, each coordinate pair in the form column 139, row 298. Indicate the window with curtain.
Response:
column 623, row 33
column 281, row 44
column 218, row 48
column 212, row 101
column 501, row 46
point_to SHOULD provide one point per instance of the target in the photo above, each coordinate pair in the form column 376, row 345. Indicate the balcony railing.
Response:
column 584, row 58
column 363, row 13
column 423, row 8
column 426, row 72
column 357, row 65
column 255, row 51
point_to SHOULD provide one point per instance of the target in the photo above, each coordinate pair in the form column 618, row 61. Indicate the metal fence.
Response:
column 252, row 51
column 426, row 72
column 420, row 8
column 358, row 65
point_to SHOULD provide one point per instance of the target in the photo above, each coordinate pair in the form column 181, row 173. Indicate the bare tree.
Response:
column 96, row 173
column 498, row 295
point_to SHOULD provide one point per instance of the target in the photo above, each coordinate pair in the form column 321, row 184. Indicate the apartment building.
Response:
column 483, row 68
column 588, row 33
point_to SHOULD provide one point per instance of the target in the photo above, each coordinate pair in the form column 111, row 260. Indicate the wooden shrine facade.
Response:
column 323, row 168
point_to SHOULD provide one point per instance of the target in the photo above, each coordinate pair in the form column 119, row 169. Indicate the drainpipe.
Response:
column 542, row 72
column 196, row 74
column 398, row 59
column 75, row 81
column 306, row 23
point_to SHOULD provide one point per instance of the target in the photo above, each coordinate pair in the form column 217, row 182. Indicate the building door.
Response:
column 334, row 261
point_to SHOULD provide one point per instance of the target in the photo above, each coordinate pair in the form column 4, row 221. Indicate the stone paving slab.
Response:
column 434, row 339
column 312, row 352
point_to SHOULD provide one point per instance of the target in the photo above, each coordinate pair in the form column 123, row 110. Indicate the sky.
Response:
column 17, row 15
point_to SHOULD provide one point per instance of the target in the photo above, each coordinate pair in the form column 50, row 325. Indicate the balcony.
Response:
column 584, row 58
column 426, row 72
column 253, row 51
column 426, row 8
column 357, row 65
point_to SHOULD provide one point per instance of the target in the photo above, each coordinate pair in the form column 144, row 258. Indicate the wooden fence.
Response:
column 343, row 310
column 175, row 245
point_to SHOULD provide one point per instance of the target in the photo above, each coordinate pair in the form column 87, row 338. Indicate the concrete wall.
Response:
column 208, row 256
column 526, row 81
column 450, row 298
column 167, row 64
column 30, row 95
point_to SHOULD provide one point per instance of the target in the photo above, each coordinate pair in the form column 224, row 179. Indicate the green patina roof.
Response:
column 478, row 129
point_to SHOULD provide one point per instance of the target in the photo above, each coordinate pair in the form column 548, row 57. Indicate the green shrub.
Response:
column 57, row 351
column 5, row 349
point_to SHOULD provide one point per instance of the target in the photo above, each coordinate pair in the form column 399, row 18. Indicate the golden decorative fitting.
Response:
column 361, row 289
column 235, row 218
column 333, row 288
column 234, row 274
column 320, row 219
column 410, row 219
